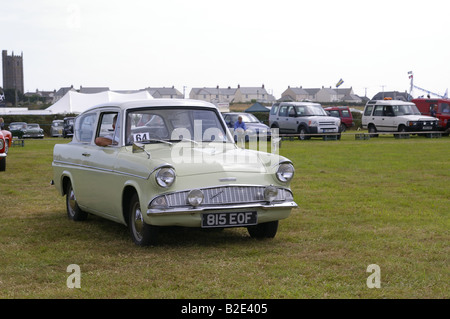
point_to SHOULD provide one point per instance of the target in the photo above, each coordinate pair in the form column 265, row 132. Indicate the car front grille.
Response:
column 228, row 195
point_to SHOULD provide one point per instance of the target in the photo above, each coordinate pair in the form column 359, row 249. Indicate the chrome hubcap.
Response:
column 138, row 224
column 72, row 202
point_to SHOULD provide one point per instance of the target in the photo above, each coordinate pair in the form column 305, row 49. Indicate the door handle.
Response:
column 86, row 154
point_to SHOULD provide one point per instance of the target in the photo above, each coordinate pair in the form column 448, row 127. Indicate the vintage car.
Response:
column 68, row 127
column 56, row 129
column 17, row 129
column 5, row 144
column 169, row 162
column 33, row 130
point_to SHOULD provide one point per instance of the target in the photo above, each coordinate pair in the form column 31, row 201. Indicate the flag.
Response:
column 339, row 83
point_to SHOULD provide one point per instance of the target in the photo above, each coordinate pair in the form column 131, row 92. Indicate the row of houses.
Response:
column 223, row 94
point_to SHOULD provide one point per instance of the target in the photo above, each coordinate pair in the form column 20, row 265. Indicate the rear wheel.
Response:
column 141, row 233
column 264, row 230
column 73, row 210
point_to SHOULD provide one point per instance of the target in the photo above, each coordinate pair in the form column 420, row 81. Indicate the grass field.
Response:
column 382, row 201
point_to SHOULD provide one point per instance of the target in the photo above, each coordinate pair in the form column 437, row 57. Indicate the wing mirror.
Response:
column 140, row 148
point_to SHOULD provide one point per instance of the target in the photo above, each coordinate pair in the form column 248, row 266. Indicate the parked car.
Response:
column 254, row 126
column 306, row 119
column 395, row 116
column 68, row 126
column 174, row 164
column 17, row 129
column 56, row 129
column 344, row 113
column 5, row 143
column 33, row 130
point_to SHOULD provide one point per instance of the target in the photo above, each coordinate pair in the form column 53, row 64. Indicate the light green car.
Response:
column 168, row 162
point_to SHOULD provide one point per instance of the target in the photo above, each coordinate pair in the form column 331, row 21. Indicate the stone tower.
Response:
column 12, row 71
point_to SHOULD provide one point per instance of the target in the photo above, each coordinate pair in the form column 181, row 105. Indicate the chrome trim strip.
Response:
column 193, row 210
column 228, row 179
column 101, row 169
column 283, row 162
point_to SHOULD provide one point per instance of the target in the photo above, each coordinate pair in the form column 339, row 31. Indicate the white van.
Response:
column 395, row 116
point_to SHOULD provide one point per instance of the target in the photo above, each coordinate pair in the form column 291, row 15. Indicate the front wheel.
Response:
column 402, row 129
column 303, row 134
column 372, row 131
column 264, row 230
column 142, row 233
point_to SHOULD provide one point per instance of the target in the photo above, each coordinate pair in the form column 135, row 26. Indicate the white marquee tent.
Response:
column 74, row 102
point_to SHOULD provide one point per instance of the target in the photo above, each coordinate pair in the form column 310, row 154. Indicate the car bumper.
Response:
column 2, row 155
column 421, row 128
column 192, row 217
column 33, row 135
column 322, row 130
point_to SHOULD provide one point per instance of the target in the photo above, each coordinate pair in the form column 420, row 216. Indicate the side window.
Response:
column 274, row 110
column 291, row 111
column 335, row 113
column 85, row 127
column 368, row 110
column 378, row 110
column 109, row 127
column 345, row 113
column 283, row 110
column 444, row 108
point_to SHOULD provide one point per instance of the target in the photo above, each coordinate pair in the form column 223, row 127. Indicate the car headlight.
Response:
column 313, row 123
column 165, row 177
column 285, row 172
column 195, row 197
column 2, row 144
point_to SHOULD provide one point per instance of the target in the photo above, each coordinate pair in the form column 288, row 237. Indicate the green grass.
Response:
column 382, row 201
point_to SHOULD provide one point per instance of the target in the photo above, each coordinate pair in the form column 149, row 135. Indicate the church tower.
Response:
column 12, row 71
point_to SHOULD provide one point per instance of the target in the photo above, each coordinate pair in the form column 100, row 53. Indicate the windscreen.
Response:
column 152, row 125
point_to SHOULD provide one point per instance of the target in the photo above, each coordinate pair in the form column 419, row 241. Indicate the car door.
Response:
column 378, row 118
column 283, row 119
column 292, row 121
column 103, row 187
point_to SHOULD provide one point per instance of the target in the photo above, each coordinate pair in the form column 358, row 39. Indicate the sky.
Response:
column 130, row 45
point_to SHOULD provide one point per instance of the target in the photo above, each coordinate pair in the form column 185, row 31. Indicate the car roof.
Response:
column 336, row 108
column 389, row 102
column 155, row 103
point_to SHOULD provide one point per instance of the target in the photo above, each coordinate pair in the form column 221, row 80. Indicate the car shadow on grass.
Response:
column 102, row 229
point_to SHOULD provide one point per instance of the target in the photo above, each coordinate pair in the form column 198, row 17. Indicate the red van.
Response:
column 442, row 111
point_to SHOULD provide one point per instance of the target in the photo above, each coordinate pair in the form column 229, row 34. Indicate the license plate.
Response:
column 427, row 127
column 325, row 130
column 229, row 219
